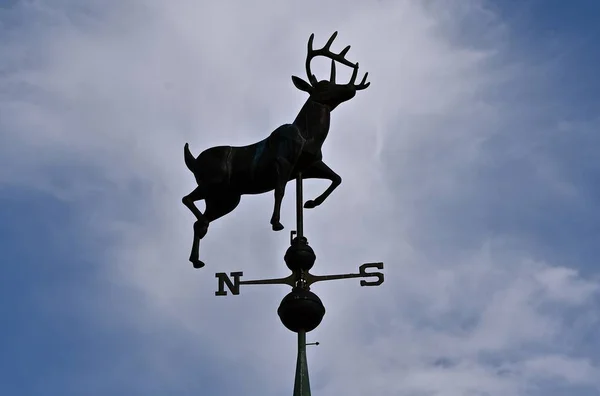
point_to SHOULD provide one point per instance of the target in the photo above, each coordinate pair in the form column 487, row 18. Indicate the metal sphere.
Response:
column 299, row 255
column 301, row 310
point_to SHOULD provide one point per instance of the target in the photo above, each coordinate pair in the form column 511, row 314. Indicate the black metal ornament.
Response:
column 225, row 173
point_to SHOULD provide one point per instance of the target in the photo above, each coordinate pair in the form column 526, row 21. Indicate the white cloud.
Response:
column 575, row 371
column 114, row 97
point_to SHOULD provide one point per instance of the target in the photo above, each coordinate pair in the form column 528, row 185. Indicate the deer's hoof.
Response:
column 277, row 226
column 197, row 263
column 310, row 204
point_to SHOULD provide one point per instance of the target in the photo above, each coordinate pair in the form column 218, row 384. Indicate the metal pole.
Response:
column 301, row 384
column 299, row 207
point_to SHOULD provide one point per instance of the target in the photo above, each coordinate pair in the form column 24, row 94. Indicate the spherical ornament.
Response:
column 301, row 310
column 299, row 255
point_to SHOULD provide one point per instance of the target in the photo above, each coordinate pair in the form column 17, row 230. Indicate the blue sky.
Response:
column 468, row 168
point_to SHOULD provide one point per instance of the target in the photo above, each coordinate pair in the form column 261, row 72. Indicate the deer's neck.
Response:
column 313, row 122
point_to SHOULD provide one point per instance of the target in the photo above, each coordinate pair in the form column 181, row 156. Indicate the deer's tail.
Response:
column 189, row 158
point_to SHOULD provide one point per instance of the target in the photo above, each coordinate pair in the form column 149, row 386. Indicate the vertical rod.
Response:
column 301, row 383
column 299, row 207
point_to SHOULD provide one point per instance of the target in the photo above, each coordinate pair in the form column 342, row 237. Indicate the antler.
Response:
column 325, row 51
column 363, row 84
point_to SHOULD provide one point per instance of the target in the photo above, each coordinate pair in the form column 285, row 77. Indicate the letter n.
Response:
column 234, row 287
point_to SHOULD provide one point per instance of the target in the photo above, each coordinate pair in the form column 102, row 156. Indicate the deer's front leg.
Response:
column 283, row 170
column 321, row 171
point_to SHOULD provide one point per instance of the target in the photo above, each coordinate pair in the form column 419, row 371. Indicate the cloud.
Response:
column 96, row 103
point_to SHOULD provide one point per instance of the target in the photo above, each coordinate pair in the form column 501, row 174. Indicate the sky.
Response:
column 468, row 168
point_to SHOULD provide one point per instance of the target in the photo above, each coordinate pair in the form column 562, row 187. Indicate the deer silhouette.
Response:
column 225, row 173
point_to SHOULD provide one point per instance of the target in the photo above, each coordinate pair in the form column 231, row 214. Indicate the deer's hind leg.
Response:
column 219, row 205
column 201, row 224
column 198, row 194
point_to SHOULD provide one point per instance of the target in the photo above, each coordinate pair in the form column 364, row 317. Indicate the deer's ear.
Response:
column 301, row 84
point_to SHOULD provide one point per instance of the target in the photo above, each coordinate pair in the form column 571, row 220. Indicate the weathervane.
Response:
column 292, row 151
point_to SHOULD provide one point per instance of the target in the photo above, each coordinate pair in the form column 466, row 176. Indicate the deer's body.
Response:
column 225, row 173
column 226, row 167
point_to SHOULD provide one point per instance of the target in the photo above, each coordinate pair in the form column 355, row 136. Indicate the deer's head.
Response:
column 328, row 92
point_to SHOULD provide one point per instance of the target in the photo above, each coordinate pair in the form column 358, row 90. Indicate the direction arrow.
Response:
column 306, row 278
